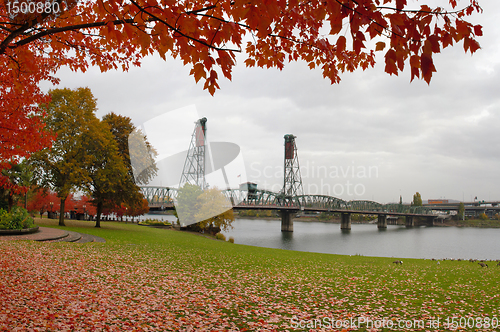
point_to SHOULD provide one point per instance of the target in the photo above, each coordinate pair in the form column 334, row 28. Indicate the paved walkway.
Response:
column 54, row 235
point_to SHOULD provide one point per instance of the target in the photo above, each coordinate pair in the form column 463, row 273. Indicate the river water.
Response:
column 368, row 240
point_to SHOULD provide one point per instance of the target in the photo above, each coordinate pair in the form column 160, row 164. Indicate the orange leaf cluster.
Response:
column 207, row 34
column 22, row 130
column 331, row 35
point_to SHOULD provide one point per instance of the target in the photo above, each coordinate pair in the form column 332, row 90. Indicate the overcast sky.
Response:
column 442, row 139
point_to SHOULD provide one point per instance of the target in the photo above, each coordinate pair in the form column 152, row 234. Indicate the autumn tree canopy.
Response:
column 107, row 179
column 128, row 200
column 37, row 37
column 206, row 35
column 70, row 114
column 85, row 156
column 137, row 153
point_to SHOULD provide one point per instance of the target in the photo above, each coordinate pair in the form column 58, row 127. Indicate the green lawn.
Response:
column 145, row 278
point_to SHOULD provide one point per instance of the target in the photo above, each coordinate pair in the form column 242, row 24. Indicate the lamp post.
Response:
column 84, row 212
column 51, row 210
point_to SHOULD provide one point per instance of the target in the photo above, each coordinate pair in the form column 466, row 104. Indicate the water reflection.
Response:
column 287, row 240
column 368, row 240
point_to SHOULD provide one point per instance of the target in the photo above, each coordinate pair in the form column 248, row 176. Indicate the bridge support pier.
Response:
column 345, row 222
column 429, row 221
column 382, row 221
column 287, row 220
column 410, row 222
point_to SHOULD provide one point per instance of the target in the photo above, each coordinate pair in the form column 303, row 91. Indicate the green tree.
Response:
column 84, row 155
column 60, row 168
column 216, row 211
column 461, row 211
column 188, row 204
column 19, row 177
column 417, row 199
column 203, row 210
column 131, row 145
column 134, row 148
column 107, row 179
column 142, row 157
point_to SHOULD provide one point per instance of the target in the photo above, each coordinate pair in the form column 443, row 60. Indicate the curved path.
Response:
column 47, row 234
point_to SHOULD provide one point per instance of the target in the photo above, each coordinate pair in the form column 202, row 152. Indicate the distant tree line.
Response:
column 258, row 213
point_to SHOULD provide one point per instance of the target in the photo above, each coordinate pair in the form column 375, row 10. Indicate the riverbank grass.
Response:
column 156, row 279
column 481, row 223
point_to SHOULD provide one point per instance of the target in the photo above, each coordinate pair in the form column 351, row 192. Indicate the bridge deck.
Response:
column 297, row 209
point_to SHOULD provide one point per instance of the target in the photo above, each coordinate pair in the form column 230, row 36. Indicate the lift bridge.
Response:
column 289, row 201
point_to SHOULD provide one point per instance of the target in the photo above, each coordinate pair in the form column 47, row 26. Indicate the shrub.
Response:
column 220, row 236
column 325, row 216
column 5, row 219
column 154, row 222
column 231, row 239
column 17, row 219
column 483, row 216
column 250, row 213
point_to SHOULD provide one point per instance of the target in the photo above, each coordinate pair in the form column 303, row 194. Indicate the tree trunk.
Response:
column 61, row 212
column 10, row 201
column 98, row 215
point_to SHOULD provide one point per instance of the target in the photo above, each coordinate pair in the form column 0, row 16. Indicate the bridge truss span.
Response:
column 159, row 197
column 165, row 197
column 364, row 206
column 322, row 202
column 253, row 198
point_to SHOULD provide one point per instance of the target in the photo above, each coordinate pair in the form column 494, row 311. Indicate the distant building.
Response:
column 437, row 201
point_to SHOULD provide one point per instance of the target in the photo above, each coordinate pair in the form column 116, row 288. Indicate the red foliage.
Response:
column 134, row 210
column 44, row 201
column 138, row 209
column 119, row 210
column 47, row 201
column 22, row 130
column 84, row 205
column 206, row 35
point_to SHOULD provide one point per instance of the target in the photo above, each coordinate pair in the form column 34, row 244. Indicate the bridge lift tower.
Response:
column 292, row 184
column 194, row 166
